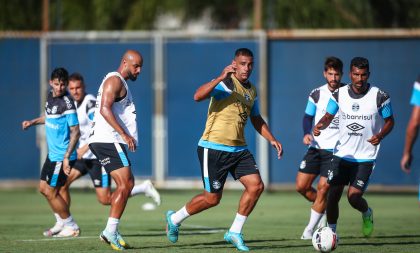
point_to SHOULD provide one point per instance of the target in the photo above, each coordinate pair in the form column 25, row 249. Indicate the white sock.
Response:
column 112, row 225
column 58, row 219
column 69, row 222
column 180, row 216
column 140, row 188
column 314, row 219
column 333, row 227
column 238, row 223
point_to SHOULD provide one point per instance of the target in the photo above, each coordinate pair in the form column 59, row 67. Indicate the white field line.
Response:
column 206, row 230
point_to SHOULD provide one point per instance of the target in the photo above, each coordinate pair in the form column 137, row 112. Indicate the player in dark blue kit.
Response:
column 62, row 133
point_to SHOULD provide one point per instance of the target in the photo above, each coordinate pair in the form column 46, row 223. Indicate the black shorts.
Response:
column 316, row 161
column 355, row 174
column 53, row 174
column 216, row 164
column 97, row 173
column 112, row 156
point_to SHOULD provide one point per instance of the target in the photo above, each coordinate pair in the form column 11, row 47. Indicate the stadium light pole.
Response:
column 257, row 14
column 45, row 15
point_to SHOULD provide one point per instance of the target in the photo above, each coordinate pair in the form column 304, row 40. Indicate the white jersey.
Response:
column 361, row 117
column 124, row 111
column 85, row 112
column 317, row 104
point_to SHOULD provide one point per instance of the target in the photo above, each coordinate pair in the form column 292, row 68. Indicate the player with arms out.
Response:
column 318, row 157
column 365, row 119
column 87, row 162
column 222, row 148
column 114, row 128
column 62, row 133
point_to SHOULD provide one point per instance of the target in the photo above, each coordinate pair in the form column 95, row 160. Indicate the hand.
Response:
column 375, row 140
column 227, row 70
column 66, row 166
column 130, row 141
column 277, row 145
column 316, row 131
column 406, row 163
column 80, row 153
column 26, row 124
column 307, row 139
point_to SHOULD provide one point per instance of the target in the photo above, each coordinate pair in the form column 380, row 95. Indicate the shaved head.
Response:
column 131, row 64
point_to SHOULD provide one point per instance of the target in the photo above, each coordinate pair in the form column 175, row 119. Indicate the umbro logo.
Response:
column 355, row 127
column 336, row 121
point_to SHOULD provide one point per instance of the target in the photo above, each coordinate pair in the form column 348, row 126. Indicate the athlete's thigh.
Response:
column 112, row 156
column 100, row 178
column 360, row 175
column 214, row 169
column 53, row 174
column 243, row 164
column 305, row 180
column 311, row 162
column 81, row 166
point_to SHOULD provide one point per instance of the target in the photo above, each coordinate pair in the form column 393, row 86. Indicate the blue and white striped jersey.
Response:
column 60, row 115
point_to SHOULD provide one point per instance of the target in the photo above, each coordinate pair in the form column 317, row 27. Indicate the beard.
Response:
column 132, row 77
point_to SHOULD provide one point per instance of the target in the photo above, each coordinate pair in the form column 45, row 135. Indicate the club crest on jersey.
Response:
column 302, row 165
column 247, row 97
column 355, row 107
column 216, row 184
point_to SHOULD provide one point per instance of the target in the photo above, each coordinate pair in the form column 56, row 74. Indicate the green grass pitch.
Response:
column 275, row 225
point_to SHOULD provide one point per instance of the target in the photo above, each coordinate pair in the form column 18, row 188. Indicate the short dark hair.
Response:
column 61, row 74
column 76, row 77
column 243, row 51
column 360, row 63
column 333, row 63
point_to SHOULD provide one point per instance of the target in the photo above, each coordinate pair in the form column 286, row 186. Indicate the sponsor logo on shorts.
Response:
column 97, row 182
column 105, row 161
column 216, row 184
column 360, row 183
column 54, row 109
column 302, row 165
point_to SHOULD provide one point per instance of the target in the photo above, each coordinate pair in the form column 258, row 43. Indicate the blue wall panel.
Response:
column 94, row 61
column 19, row 88
column 188, row 66
column 295, row 68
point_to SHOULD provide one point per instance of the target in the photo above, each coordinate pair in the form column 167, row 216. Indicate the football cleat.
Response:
column 172, row 230
column 236, row 239
column 367, row 227
column 151, row 192
column 307, row 234
column 111, row 239
column 68, row 231
column 54, row 230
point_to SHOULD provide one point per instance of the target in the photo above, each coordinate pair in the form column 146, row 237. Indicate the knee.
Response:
column 47, row 194
column 104, row 201
column 212, row 200
column 322, row 189
column 301, row 188
column 126, row 187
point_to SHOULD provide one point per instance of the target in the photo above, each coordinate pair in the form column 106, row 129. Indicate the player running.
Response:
column 222, row 149
column 365, row 119
column 318, row 157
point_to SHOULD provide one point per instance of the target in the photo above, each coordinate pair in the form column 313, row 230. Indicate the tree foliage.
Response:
column 82, row 15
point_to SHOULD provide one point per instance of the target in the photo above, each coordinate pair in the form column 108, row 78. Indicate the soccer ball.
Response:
column 324, row 239
column 148, row 206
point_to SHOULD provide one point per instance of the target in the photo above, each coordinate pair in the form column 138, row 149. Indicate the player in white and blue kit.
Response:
column 316, row 161
column 87, row 162
column 412, row 130
column 365, row 119
column 62, row 133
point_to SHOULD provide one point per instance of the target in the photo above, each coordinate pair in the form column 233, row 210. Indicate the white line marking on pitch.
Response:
column 208, row 230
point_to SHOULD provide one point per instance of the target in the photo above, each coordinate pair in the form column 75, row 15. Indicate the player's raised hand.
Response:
column 375, row 140
column 130, row 141
column 228, row 69
column 307, row 139
column 277, row 145
column 26, row 124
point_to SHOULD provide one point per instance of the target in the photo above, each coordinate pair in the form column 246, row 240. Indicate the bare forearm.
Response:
column 112, row 121
column 205, row 90
column 262, row 128
column 74, row 137
column 410, row 137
